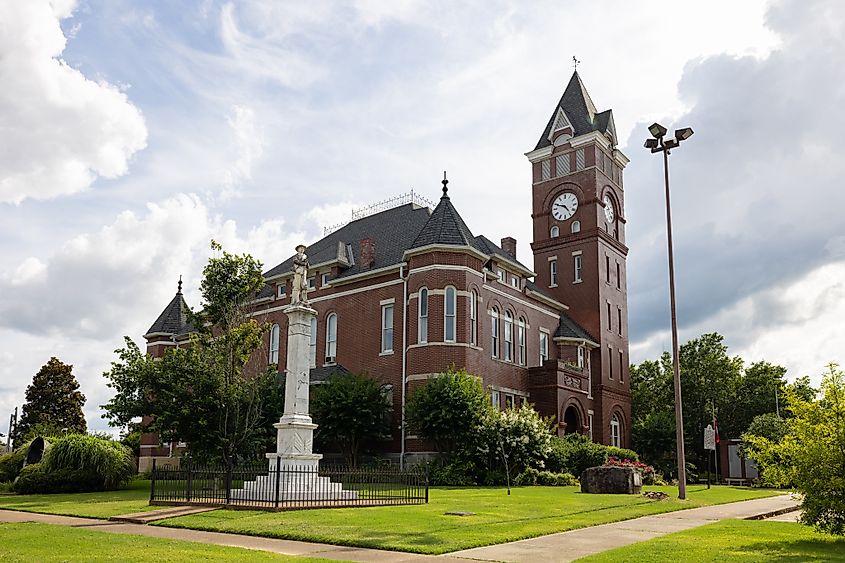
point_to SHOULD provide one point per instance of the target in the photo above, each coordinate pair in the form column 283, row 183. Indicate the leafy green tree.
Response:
column 756, row 391
column 812, row 455
column 522, row 434
column 802, row 389
column 448, row 409
column 207, row 394
column 52, row 400
column 768, row 425
column 351, row 410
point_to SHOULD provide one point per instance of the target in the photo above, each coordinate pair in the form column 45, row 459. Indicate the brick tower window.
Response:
column 274, row 345
column 449, row 310
column 331, row 338
column 422, row 323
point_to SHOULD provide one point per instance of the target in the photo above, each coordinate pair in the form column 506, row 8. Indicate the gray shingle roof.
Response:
column 570, row 329
column 445, row 226
column 580, row 111
column 489, row 247
column 323, row 373
column 391, row 232
column 173, row 319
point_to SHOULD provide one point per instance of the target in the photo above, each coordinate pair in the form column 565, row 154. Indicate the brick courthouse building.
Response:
column 407, row 292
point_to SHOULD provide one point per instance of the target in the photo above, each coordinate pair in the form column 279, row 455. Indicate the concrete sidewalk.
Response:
column 565, row 546
column 568, row 546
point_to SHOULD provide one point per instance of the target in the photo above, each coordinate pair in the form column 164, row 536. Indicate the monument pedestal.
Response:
column 294, row 458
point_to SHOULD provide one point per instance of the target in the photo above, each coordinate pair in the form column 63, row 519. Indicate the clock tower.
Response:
column 578, row 212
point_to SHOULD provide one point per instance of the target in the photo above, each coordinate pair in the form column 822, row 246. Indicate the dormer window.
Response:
column 502, row 275
column 514, row 281
column 311, row 283
column 282, row 291
column 324, row 279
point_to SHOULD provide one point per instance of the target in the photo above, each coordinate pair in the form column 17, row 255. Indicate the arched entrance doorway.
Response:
column 571, row 420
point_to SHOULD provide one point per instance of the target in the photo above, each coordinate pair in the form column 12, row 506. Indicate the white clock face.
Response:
column 608, row 209
column 564, row 206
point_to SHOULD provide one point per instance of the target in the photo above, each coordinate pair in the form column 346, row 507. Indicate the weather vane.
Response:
column 575, row 62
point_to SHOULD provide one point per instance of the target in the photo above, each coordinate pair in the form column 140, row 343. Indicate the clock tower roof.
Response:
column 580, row 111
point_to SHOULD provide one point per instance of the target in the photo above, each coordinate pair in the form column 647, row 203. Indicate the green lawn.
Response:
column 733, row 540
column 527, row 513
column 45, row 543
column 136, row 498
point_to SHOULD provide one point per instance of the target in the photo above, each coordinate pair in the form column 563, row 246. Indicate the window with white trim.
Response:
column 618, row 275
column 619, row 319
column 590, row 422
column 311, row 283
column 615, row 438
column 553, row 273
column 520, row 341
column 274, row 345
column 621, row 366
column 580, row 356
column 494, row 398
column 449, row 312
column 331, row 338
column 502, row 275
column 577, row 259
column 576, row 226
column 324, row 279
column 515, row 281
column 282, row 290
column 508, row 401
column 508, row 356
column 422, row 323
column 554, row 232
column 494, row 332
column 312, row 343
column 473, row 318
column 387, row 328
column 544, row 347
column 609, row 323
column 610, row 360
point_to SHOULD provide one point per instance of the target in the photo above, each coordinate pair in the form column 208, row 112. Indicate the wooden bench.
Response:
column 738, row 481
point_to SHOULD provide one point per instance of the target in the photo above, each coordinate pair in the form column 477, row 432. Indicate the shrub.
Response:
column 646, row 471
column 527, row 477
column 545, row 478
column 455, row 474
column 582, row 454
column 111, row 462
column 11, row 464
column 622, row 453
column 34, row 480
column 524, row 434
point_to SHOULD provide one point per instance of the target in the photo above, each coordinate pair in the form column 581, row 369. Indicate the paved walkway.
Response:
column 568, row 546
column 565, row 546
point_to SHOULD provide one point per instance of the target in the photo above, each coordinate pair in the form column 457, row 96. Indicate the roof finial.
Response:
column 179, row 290
column 575, row 63
column 445, row 187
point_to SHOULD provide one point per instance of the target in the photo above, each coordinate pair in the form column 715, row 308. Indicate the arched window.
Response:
column 331, row 338
column 422, row 324
column 312, row 345
column 274, row 345
column 520, row 341
column 576, row 226
column 473, row 318
column 494, row 333
column 554, row 232
column 615, row 439
column 449, row 309
column 508, row 356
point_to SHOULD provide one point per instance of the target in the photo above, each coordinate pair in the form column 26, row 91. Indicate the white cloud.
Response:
column 247, row 145
column 61, row 129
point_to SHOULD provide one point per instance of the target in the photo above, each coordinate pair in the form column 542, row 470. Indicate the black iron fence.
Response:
column 280, row 486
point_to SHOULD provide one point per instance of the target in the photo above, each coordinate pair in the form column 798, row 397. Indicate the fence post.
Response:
column 278, row 479
column 426, row 485
column 228, row 482
column 190, row 480
column 153, row 484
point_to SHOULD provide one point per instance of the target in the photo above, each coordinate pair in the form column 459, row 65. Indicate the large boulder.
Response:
column 611, row 480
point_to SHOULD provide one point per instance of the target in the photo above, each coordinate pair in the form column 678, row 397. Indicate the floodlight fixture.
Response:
column 671, row 144
column 656, row 130
column 650, row 143
column 683, row 134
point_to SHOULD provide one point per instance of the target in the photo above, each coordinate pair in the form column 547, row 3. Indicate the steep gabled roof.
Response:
column 580, row 111
column 173, row 320
column 570, row 329
column 391, row 232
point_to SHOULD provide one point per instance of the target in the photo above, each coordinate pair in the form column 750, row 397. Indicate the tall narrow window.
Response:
column 422, row 324
column 520, row 341
column 312, row 345
column 618, row 276
column 577, row 268
column 579, row 159
column 554, row 232
column 473, row 318
column 619, row 319
column 562, row 164
column 494, row 399
column 449, row 314
column 614, row 432
column 609, row 322
column 580, row 356
column 590, row 422
column 331, row 338
column 576, row 226
column 610, row 361
column 544, row 347
column 546, row 169
column 621, row 366
column 508, row 356
column 607, row 268
column 387, row 328
column 494, row 332
column 274, row 345
column 553, row 273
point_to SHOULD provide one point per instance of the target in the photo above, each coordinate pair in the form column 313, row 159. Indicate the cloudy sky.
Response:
column 133, row 133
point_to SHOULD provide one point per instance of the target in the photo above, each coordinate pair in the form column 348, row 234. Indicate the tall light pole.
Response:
column 658, row 143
